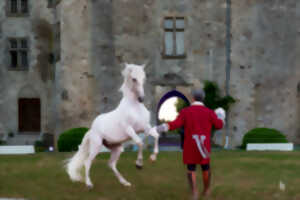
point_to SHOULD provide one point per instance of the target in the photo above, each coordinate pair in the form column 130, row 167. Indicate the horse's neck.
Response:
column 127, row 94
column 129, row 102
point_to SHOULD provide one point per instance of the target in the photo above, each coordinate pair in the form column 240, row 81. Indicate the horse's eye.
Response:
column 134, row 80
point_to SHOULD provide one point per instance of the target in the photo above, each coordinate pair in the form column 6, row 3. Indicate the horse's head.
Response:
column 134, row 76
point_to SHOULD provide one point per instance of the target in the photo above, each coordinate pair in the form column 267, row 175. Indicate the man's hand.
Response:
column 162, row 128
column 221, row 114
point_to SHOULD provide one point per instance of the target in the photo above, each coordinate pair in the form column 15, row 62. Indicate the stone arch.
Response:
column 166, row 141
column 28, row 91
column 170, row 94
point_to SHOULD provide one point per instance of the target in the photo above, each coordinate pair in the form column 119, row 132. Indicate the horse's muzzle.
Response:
column 141, row 99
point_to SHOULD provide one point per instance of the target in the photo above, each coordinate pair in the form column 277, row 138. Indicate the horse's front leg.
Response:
column 132, row 134
column 155, row 135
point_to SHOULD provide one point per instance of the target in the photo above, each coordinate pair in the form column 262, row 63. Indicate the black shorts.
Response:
column 192, row 167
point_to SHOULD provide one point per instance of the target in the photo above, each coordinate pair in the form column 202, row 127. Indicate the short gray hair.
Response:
column 198, row 94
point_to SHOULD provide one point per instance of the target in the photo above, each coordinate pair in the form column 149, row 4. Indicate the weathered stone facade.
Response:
column 265, row 71
column 97, row 36
column 38, row 80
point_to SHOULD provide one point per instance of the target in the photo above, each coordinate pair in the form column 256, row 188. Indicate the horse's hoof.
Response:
column 139, row 166
column 127, row 184
column 153, row 158
column 90, row 187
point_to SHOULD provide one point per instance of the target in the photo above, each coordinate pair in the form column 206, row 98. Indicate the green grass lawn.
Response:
column 237, row 175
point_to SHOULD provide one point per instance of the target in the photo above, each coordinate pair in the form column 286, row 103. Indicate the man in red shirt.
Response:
column 197, row 121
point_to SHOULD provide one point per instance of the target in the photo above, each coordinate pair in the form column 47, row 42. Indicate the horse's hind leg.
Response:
column 95, row 145
column 114, row 157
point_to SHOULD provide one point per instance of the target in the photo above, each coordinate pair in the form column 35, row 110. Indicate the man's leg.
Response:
column 191, row 175
column 206, row 175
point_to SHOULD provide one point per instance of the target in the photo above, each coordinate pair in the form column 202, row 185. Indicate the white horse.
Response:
column 112, row 129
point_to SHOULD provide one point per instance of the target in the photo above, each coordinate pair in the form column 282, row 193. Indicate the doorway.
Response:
column 29, row 115
column 167, row 110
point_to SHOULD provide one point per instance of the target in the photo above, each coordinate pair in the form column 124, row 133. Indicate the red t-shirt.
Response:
column 197, row 120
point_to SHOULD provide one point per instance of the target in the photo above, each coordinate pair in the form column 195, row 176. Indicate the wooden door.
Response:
column 29, row 115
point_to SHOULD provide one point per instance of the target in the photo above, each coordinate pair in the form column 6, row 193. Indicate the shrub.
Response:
column 39, row 146
column 2, row 142
column 70, row 139
column 263, row 135
column 213, row 98
column 180, row 104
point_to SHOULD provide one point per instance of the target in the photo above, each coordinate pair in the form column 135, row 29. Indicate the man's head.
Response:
column 198, row 95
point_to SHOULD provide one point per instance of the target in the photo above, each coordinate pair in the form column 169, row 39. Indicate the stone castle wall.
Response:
column 97, row 37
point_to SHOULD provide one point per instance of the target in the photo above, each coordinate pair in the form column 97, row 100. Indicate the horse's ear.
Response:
column 125, row 64
column 145, row 64
column 124, row 71
column 127, row 70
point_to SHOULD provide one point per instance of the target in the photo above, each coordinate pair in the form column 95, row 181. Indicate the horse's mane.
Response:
column 125, row 74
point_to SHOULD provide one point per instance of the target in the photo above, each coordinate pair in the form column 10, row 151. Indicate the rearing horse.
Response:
column 112, row 129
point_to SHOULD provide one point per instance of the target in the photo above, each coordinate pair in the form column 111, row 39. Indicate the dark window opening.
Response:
column 18, row 53
column 14, row 59
column 50, row 3
column 17, row 8
column 24, row 43
column 24, row 6
column 13, row 6
column 51, row 58
column 29, row 115
column 13, row 43
column 24, row 59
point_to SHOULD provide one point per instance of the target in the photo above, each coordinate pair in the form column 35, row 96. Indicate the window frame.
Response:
column 19, row 12
column 174, row 30
column 52, row 3
column 19, row 49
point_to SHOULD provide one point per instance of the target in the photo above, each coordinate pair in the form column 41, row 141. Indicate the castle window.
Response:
column 53, row 3
column 18, row 53
column 50, row 3
column 24, row 6
column 174, row 37
column 14, row 6
column 17, row 8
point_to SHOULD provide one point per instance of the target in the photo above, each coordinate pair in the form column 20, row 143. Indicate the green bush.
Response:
column 213, row 99
column 263, row 135
column 70, row 139
column 180, row 104
column 2, row 142
column 39, row 146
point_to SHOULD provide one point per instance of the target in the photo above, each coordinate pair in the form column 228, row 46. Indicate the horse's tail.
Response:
column 75, row 163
